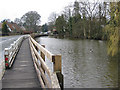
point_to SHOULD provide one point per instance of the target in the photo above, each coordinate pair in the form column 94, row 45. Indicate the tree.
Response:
column 90, row 11
column 70, row 28
column 60, row 25
column 44, row 28
column 4, row 28
column 84, row 24
column 76, row 8
column 31, row 19
column 68, row 18
column 51, row 20
column 76, row 21
column 76, row 26
column 67, row 12
column 18, row 21
column 113, row 29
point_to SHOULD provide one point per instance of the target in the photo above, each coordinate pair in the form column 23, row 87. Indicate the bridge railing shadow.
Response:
column 56, row 77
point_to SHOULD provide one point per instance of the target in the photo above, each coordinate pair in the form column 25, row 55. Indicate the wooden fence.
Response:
column 10, row 53
column 38, row 53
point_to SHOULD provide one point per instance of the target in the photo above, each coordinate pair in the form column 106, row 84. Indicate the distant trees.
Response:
column 44, row 27
column 5, row 30
column 84, row 20
column 30, row 20
column 18, row 21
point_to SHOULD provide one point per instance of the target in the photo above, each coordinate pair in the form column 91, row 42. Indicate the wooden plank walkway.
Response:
column 22, row 74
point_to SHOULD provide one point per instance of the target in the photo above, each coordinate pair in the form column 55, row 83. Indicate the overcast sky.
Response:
column 11, row 9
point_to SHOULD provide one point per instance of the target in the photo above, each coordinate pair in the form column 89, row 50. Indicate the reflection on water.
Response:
column 85, row 63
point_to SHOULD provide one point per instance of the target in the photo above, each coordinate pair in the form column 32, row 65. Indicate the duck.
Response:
column 70, row 52
column 91, row 50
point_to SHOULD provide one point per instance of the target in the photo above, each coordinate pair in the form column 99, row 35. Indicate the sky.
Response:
column 11, row 9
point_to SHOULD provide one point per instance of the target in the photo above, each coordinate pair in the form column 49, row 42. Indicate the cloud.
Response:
column 11, row 9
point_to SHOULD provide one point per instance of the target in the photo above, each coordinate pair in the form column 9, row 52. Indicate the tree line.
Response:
column 82, row 20
column 30, row 21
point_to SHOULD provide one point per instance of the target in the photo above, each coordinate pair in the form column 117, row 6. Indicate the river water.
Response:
column 85, row 63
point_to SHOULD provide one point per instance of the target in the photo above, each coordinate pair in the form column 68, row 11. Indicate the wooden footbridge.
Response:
column 26, row 68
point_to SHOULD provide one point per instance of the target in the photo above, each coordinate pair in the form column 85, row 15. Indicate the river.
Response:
column 85, row 63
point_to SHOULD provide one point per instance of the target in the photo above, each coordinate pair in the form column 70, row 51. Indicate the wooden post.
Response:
column 43, row 57
column 56, row 59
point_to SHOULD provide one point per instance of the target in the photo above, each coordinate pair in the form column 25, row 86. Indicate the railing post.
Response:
column 12, row 47
column 43, row 57
column 56, row 59
column 6, row 56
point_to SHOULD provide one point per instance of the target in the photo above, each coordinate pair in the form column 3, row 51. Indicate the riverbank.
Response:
column 74, row 38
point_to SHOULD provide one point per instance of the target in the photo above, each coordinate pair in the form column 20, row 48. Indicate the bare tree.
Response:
column 18, row 21
column 31, row 20
column 52, row 18
column 88, row 9
column 67, row 12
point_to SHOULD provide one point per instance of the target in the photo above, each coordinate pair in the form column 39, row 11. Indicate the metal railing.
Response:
column 38, row 53
column 11, row 52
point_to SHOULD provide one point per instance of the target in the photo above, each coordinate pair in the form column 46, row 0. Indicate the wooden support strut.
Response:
column 56, row 59
column 43, row 57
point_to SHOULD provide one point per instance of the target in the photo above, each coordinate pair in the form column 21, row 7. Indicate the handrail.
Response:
column 11, row 52
column 55, row 78
column 45, row 51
